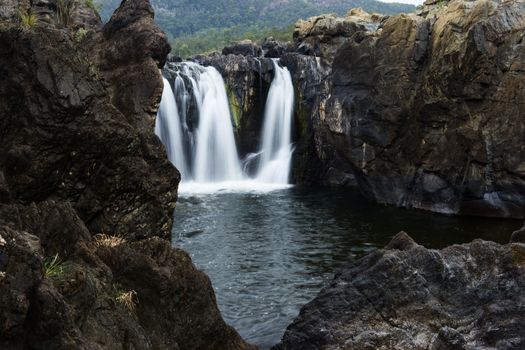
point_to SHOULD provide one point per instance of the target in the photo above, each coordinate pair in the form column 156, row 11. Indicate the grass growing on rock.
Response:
column 103, row 240
column 28, row 19
column 64, row 11
column 128, row 299
column 53, row 267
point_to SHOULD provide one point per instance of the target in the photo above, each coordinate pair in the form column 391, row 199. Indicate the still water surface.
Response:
column 268, row 254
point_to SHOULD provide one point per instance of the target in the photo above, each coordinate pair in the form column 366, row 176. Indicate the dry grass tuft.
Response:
column 103, row 240
column 128, row 299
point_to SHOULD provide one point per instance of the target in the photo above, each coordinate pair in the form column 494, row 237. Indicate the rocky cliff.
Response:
column 408, row 297
column 86, row 191
column 418, row 110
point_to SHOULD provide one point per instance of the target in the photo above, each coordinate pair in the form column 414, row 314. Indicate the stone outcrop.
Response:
column 408, row 297
column 428, row 109
column 64, row 138
column 322, row 35
column 243, row 48
column 87, row 193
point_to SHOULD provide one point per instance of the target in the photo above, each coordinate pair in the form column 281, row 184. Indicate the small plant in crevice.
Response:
column 2, row 276
column 81, row 34
column 28, row 19
column 128, row 299
column 53, row 267
column 64, row 11
column 104, row 240
column 95, row 6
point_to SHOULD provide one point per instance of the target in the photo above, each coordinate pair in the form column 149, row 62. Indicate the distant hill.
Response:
column 197, row 25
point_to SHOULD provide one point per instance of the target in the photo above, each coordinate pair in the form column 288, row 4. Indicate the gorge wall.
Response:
column 420, row 110
column 86, row 191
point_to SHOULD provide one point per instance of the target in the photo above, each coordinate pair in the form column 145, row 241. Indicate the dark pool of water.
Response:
column 269, row 254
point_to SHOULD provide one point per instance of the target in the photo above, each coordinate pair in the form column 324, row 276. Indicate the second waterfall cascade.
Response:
column 204, row 149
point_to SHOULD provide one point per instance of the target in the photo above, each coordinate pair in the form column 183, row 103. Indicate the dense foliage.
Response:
column 197, row 26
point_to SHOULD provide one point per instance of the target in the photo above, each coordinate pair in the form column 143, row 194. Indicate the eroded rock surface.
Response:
column 409, row 297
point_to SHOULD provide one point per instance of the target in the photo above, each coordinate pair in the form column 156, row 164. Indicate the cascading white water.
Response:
column 168, row 129
column 216, row 156
column 276, row 150
column 211, row 145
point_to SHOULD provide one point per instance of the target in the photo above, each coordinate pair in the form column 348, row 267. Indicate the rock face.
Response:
column 428, row 109
column 417, row 110
column 408, row 297
column 63, row 138
column 87, row 193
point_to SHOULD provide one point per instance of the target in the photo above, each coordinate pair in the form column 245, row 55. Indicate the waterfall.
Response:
column 276, row 149
column 216, row 156
column 195, row 125
column 168, row 129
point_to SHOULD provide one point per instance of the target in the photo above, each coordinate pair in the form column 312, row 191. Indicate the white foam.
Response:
column 245, row 186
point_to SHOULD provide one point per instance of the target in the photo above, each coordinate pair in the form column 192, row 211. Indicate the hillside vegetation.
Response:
column 196, row 26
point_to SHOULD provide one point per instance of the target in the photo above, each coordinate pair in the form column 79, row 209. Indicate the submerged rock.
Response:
column 409, row 297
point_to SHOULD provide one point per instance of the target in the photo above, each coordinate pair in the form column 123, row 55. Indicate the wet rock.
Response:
column 273, row 48
column 248, row 80
column 518, row 236
column 409, row 297
column 5, row 195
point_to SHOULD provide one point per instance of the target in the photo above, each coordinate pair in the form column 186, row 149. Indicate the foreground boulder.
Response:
column 408, row 297
column 62, row 289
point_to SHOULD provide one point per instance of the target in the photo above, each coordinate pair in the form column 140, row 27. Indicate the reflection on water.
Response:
column 268, row 254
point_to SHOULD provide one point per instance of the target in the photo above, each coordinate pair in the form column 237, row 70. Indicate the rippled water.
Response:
column 268, row 254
